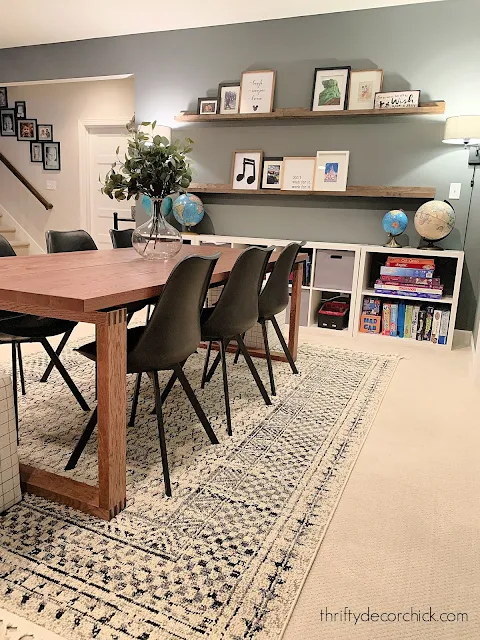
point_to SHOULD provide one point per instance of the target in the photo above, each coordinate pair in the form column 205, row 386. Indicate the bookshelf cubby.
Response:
column 365, row 261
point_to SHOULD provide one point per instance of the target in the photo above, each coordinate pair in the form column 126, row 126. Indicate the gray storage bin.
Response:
column 334, row 270
column 303, row 309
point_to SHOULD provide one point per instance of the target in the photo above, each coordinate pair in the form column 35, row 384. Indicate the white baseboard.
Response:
column 21, row 234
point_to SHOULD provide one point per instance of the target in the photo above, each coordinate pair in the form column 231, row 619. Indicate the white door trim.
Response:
column 84, row 157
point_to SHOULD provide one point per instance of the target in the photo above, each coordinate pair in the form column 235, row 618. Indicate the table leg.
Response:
column 112, row 434
column 295, row 302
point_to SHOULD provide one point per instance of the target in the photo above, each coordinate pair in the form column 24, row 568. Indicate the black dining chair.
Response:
column 121, row 238
column 234, row 314
column 273, row 300
column 165, row 343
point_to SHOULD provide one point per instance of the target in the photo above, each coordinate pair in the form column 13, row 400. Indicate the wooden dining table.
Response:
column 84, row 286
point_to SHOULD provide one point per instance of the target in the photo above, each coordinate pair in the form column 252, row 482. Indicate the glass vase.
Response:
column 156, row 239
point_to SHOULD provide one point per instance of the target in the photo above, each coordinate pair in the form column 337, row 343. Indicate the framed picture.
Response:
column 257, row 90
column 44, row 132
column 36, row 152
column 272, row 172
column 397, row 99
column 297, row 174
column 229, row 97
column 7, row 122
column 207, row 106
column 20, row 110
column 331, row 170
column 3, row 98
column 26, row 129
column 246, row 169
column 51, row 156
column 364, row 84
column 330, row 88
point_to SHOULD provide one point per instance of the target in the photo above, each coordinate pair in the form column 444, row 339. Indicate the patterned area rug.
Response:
column 224, row 557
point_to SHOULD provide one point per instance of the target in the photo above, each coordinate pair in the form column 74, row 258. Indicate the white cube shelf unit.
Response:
column 356, row 269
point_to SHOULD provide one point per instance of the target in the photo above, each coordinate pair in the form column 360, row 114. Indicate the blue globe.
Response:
column 188, row 209
column 395, row 222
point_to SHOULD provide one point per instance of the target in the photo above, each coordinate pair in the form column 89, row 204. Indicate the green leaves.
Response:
column 153, row 166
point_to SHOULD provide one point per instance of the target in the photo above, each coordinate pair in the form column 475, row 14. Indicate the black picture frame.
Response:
column 22, row 121
column 3, row 98
column 267, row 161
column 18, row 105
column 11, row 113
column 45, row 126
column 206, row 99
column 219, row 95
column 36, row 143
column 348, row 68
column 46, row 145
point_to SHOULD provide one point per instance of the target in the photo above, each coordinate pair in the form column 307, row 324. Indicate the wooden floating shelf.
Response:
column 356, row 192
column 427, row 108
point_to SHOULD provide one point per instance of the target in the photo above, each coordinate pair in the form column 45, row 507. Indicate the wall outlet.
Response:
column 51, row 185
column 455, row 189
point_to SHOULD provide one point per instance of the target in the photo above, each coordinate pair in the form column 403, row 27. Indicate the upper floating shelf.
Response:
column 427, row 108
column 422, row 193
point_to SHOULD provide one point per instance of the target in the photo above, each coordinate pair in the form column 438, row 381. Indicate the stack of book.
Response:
column 411, row 277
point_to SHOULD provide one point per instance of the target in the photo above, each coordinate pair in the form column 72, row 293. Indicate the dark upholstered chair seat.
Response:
column 28, row 326
column 133, row 336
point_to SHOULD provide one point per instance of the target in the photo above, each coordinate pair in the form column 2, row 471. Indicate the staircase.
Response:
column 21, row 247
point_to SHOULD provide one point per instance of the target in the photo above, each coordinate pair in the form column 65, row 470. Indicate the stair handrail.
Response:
column 48, row 205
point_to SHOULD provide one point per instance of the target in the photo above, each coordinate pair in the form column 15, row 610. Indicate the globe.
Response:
column 434, row 220
column 188, row 209
column 395, row 222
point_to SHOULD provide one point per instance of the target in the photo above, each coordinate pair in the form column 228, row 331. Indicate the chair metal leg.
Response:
column 195, row 403
column 20, row 368
column 58, row 351
column 14, row 385
column 169, row 385
column 268, row 356
column 65, row 375
column 285, row 348
column 225, row 387
column 205, row 366
column 82, row 442
column 149, row 312
column 133, row 412
column 215, row 363
column 253, row 369
column 161, row 435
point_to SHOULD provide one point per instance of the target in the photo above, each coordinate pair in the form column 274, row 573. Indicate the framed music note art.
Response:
column 246, row 169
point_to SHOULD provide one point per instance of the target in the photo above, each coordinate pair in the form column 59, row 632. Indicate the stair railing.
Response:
column 48, row 205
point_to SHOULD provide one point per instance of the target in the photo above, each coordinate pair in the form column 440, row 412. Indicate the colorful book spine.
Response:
column 386, row 314
column 405, row 271
column 413, row 263
column 414, row 282
column 437, row 318
column 394, row 320
column 372, row 306
column 422, row 317
column 445, row 321
column 410, row 294
column 415, row 314
column 407, row 331
column 401, row 320
column 427, row 334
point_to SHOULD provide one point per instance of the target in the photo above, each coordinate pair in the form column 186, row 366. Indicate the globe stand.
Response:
column 430, row 246
column 392, row 242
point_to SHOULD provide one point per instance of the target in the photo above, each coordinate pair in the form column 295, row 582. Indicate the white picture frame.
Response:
column 272, row 173
column 330, row 88
column 397, row 99
column 298, row 174
column 364, row 84
column 229, row 98
column 257, row 89
column 331, row 170
column 246, row 169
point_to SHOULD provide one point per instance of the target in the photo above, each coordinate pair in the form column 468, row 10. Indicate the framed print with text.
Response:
column 330, row 89
column 246, row 169
column 331, row 170
column 257, row 90
column 298, row 174
column 397, row 99
column 364, row 84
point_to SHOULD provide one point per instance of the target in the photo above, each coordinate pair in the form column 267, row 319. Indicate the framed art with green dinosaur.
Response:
column 330, row 88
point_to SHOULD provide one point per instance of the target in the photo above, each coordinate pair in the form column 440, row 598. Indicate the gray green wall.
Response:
column 431, row 47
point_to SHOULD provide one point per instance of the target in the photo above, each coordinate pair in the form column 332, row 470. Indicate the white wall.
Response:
column 62, row 105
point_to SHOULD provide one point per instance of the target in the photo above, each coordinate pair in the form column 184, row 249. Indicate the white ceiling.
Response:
column 44, row 21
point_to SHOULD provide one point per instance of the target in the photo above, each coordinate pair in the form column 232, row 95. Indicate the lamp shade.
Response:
column 462, row 130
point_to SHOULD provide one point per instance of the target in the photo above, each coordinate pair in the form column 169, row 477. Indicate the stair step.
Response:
column 20, row 243
column 7, row 230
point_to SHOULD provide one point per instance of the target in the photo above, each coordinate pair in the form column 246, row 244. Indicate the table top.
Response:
column 86, row 281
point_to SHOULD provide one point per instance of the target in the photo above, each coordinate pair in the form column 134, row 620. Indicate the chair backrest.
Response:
column 6, row 248
column 237, row 308
column 274, row 297
column 63, row 241
column 121, row 238
column 173, row 331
